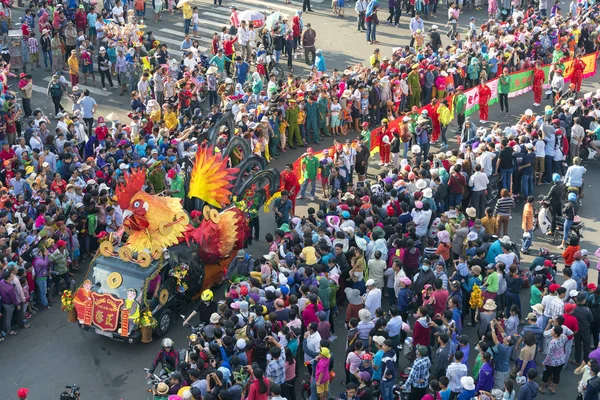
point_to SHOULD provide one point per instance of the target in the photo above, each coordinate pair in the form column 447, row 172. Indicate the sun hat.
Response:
column 214, row 318
column 538, row 308
column 353, row 296
column 162, row 389
column 467, row 383
column 490, row 305
column 421, row 184
column 471, row 212
column 379, row 340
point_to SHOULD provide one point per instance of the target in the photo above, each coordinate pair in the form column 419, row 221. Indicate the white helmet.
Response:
column 228, row 81
column 416, row 149
column 166, row 342
column 529, row 112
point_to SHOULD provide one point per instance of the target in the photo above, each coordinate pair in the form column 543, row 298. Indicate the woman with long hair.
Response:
column 290, row 375
column 526, row 360
column 259, row 387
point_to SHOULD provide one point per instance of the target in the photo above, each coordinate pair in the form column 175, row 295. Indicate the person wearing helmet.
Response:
column 574, row 175
column 555, row 197
column 544, row 254
column 204, row 309
column 569, row 212
column 167, row 356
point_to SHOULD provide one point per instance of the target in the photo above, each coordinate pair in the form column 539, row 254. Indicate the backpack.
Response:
column 55, row 90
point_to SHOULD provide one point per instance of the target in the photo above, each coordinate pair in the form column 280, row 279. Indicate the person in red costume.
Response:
column 289, row 182
column 484, row 97
column 385, row 147
column 578, row 68
column 538, row 81
column 436, row 128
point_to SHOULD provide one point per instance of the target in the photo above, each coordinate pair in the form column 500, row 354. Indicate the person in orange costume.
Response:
column 289, row 182
column 538, row 81
column 578, row 68
column 82, row 296
column 485, row 94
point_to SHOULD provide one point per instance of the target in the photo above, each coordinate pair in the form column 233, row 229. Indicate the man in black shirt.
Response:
column 504, row 165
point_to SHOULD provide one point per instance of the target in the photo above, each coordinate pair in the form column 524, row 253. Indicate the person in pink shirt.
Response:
column 322, row 376
column 309, row 314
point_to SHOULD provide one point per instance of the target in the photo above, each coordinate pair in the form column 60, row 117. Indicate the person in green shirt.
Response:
column 460, row 107
column 156, row 177
column 310, row 166
column 365, row 135
column 491, row 282
column 414, row 87
column 177, row 190
column 503, row 89
column 536, row 294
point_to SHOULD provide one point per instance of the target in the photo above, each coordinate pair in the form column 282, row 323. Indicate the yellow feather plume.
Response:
column 211, row 178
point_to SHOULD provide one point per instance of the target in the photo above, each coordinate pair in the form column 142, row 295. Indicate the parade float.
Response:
column 159, row 262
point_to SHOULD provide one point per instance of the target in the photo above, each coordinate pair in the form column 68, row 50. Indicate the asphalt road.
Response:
column 54, row 353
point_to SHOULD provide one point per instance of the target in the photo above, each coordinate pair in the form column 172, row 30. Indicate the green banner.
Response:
column 521, row 81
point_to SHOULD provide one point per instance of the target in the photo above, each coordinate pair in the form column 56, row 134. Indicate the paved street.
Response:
column 54, row 353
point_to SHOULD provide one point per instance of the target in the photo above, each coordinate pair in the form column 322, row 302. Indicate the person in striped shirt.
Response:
column 34, row 50
column 503, row 211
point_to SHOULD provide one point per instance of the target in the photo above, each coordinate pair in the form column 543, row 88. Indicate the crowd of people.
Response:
column 407, row 257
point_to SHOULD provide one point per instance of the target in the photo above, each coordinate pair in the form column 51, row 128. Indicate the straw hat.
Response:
column 471, row 212
column 490, row 305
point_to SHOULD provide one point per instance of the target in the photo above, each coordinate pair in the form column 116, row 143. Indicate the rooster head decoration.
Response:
column 152, row 222
column 211, row 178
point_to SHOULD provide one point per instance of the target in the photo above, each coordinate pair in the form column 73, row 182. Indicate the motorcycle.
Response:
column 586, row 152
column 542, row 220
column 493, row 189
column 154, row 380
column 193, row 341
column 71, row 394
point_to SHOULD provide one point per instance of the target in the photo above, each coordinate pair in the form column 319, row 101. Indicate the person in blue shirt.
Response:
column 320, row 61
column 242, row 68
column 468, row 385
column 579, row 268
column 140, row 148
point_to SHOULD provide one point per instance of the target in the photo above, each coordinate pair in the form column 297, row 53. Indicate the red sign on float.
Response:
column 105, row 311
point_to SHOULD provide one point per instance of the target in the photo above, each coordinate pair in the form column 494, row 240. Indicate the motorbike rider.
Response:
column 204, row 309
column 574, row 176
column 555, row 198
column 167, row 356
column 570, row 213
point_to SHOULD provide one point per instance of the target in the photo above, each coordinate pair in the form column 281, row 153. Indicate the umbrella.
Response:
column 272, row 20
column 111, row 117
column 182, row 2
column 256, row 17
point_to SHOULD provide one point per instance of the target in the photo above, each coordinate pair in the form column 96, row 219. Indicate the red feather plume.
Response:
column 134, row 182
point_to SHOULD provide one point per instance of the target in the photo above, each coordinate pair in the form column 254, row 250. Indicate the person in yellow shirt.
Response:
column 170, row 117
column 187, row 17
column 73, row 68
column 445, row 117
column 309, row 253
column 375, row 58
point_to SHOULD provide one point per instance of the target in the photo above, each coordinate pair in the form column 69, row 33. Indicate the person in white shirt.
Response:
column 189, row 61
column 118, row 13
column 570, row 284
column 478, row 182
column 361, row 9
column 243, row 40
column 486, row 161
column 372, row 297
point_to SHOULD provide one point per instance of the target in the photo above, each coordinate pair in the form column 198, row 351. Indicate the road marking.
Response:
column 92, row 89
column 215, row 15
column 174, row 32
